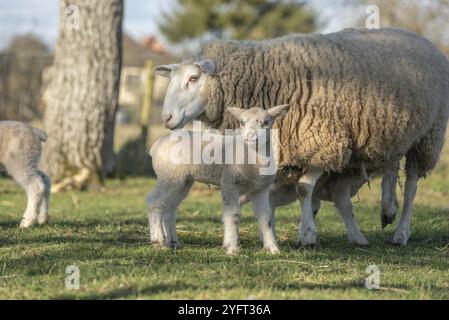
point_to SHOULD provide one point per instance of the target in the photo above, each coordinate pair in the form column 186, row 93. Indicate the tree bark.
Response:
column 82, row 90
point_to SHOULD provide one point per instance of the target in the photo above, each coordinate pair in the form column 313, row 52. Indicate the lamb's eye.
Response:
column 242, row 122
column 266, row 123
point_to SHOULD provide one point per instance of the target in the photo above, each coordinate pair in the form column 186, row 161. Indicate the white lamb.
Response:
column 175, row 179
column 20, row 152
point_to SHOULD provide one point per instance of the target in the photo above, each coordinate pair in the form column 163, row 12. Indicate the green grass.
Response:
column 105, row 234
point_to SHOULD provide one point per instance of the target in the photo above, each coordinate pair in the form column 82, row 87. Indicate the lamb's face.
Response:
column 184, row 99
column 255, row 122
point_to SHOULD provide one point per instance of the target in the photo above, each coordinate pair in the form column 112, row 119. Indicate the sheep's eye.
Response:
column 193, row 79
column 242, row 122
column 266, row 123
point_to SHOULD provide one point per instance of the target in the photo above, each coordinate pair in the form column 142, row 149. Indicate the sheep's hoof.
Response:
column 28, row 223
column 401, row 237
column 359, row 240
column 388, row 215
column 387, row 219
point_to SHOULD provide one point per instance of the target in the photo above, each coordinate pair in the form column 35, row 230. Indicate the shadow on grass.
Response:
column 129, row 292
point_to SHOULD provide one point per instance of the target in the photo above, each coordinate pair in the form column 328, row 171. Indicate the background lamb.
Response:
column 354, row 100
column 176, row 179
column 20, row 152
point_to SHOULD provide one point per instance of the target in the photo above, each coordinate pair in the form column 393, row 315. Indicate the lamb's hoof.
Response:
column 400, row 237
column 158, row 243
column 308, row 240
column 42, row 221
column 272, row 249
column 175, row 244
column 231, row 251
column 360, row 240
column 28, row 223
column 306, row 246
column 310, row 246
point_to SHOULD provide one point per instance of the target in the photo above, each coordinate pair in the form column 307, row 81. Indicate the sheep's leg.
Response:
column 403, row 230
column 389, row 197
column 162, row 203
column 316, row 205
column 265, row 215
column 307, row 227
column 231, row 219
column 43, row 209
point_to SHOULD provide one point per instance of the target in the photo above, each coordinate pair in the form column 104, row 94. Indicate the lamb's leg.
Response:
column 43, row 209
column 169, row 221
column 281, row 195
column 265, row 214
column 231, row 218
column 162, row 203
column 403, row 230
column 244, row 199
column 306, row 184
column 342, row 200
column 389, row 197
column 34, row 187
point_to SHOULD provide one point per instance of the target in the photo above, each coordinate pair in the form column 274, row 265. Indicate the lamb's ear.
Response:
column 235, row 112
column 165, row 70
column 207, row 66
column 279, row 111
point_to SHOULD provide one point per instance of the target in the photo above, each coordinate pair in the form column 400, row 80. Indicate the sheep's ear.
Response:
column 207, row 66
column 235, row 112
column 279, row 111
column 165, row 70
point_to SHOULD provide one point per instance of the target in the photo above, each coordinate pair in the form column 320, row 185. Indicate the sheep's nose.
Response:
column 166, row 117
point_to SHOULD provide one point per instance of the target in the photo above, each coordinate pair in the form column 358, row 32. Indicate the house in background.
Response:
column 134, row 74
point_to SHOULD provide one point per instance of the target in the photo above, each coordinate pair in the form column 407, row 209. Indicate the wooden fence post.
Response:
column 145, row 112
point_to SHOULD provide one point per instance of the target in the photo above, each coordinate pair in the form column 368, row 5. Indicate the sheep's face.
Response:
column 184, row 100
column 255, row 122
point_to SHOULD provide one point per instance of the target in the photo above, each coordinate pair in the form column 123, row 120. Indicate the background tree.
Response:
column 82, row 92
column 237, row 19
column 21, row 67
column 427, row 18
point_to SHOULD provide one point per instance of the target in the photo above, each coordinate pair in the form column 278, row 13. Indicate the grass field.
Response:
column 105, row 234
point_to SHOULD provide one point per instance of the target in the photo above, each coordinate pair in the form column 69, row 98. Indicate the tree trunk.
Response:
column 82, row 91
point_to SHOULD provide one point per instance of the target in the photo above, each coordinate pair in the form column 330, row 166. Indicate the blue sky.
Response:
column 41, row 17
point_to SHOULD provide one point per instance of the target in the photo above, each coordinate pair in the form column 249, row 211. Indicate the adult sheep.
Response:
column 357, row 97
